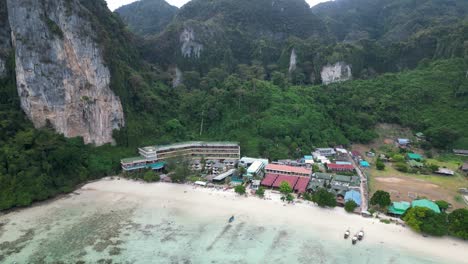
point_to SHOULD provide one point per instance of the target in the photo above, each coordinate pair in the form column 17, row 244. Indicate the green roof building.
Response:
column 426, row 203
column 398, row 208
column 414, row 156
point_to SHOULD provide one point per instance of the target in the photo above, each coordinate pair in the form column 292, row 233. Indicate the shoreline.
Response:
column 217, row 206
column 321, row 220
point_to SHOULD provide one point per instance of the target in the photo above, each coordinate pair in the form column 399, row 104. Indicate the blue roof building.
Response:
column 353, row 195
column 364, row 163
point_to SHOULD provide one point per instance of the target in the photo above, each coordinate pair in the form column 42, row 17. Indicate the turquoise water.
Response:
column 82, row 233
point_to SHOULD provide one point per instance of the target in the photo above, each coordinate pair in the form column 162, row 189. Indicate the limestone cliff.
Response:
column 60, row 71
column 292, row 61
column 5, row 41
column 338, row 72
column 189, row 46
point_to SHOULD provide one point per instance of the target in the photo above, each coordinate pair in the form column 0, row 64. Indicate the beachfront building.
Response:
column 247, row 161
column 340, row 167
column 309, row 159
column 353, row 195
column 256, row 169
column 398, row 208
column 297, row 183
column 222, row 177
column 319, row 180
column 287, row 170
column 154, row 157
column 427, row 204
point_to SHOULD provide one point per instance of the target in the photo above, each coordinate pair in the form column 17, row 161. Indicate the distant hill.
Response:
column 388, row 20
column 147, row 17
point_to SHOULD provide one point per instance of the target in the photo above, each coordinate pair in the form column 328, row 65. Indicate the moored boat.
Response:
column 346, row 234
column 354, row 240
column 231, row 219
column 361, row 234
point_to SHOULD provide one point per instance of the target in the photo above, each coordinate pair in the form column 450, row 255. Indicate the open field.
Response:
column 407, row 186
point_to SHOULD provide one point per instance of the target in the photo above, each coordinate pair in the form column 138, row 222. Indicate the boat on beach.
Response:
column 361, row 235
column 231, row 219
column 354, row 240
column 346, row 234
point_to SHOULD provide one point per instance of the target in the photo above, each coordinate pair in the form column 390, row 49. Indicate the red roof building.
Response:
column 285, row 178
column 301, row 185
column 269, row 180
column 288, row 170
column 340, row 167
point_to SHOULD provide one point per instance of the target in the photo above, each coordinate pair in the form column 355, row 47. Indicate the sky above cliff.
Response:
column 114, row 4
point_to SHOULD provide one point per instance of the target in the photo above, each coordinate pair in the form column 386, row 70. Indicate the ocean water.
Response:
column 84, row 230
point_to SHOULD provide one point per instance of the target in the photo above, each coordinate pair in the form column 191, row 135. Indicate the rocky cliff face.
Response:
column 61, row 76
column 189, row 46
column 5, row 41
column 339, row 72
column 292, row 61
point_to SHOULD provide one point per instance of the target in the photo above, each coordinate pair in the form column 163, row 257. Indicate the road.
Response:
column 364, row 189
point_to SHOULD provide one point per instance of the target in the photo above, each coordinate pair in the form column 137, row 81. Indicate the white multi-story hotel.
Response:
column 154, row 156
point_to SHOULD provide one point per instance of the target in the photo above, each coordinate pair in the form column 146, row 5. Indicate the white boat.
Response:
column 354, row 240
column 361, row 235
column 346, row 234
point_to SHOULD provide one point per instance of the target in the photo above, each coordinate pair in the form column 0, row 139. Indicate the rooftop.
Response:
column 398, row 208
column 301, row 184
column 285, row 178
column 414, row 156
column 340, row 166
column 286, row 168
column 353, row 195
column 196, row 143
column 427, row 204
column 133, row 159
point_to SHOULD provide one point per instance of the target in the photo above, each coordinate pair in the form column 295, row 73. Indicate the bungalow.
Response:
column 444, row 171
column 340, row 167
column 398, row 208
column 364, row 164
column 308, row 159
column 420, row 136
column 461, row 152
column 414, row 156
column 464, row 167
column 427, row 204
column 403, row 142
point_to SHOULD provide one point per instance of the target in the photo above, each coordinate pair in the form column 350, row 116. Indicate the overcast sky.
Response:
column 114, row 4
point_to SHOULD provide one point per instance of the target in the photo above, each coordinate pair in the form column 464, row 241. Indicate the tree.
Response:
column 401, row 166
column 241, row 170
column 240, row 189
column 458, row 223
column 323, row 198
column 443, row 205
column 422, row 219
column 381, row 199
column 151, row 176
column 285, row 188
column 433, row 167
column 260, row 191
column 398, row 158
column 315, row 168
column 350, row 206
column 380, row 164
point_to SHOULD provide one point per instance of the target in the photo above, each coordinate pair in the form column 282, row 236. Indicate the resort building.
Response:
column 398, row 208
column 340, row 167
column 297, row 183
column 256, row 169
column 427, row 204
column 154, row 157
column 403, row 142
column 221, row 177
column 247, row 162
column 288, row 170
column 319, row 180
column 309, row 160
column 327, row 152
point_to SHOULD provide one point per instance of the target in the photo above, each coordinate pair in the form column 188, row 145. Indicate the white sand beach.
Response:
column 115, row 196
